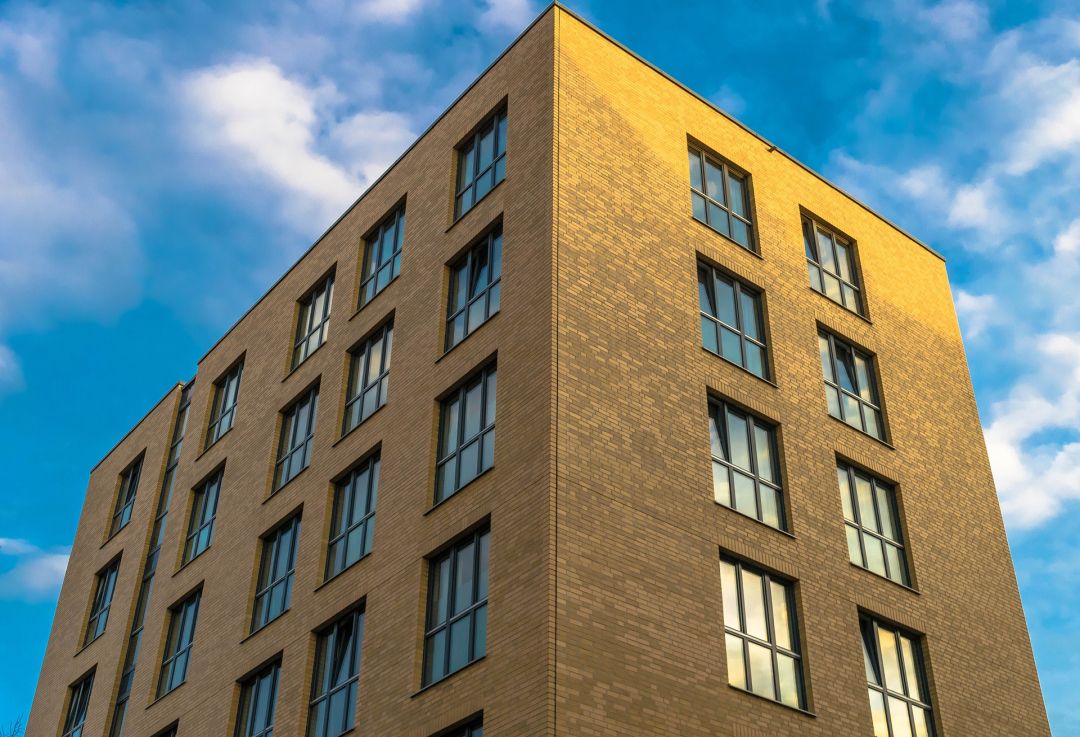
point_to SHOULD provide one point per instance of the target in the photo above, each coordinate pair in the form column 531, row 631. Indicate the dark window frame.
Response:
column 830, row 347
column 877, row 682
column 380, row 267
column 270, row 578
column 127, row 489
column 451, row 411
column 719, row 214
column 470, row 172
column 882, row 495
column 360, row 384
column 104, row 588
column 462, row 301
column 309, row 324
column 322, row 688
column 716, row 326
column 179, row 652
column 204, row 504
column 247, row 718
column 78, row 705
column 471, row 728
column 849, row 293
column 303, row 409
column 347, row 492
column 226, row 396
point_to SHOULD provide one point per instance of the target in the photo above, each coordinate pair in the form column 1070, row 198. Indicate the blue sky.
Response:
column 161, row 165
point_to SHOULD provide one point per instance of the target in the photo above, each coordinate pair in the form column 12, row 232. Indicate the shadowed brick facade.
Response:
column 605, row 607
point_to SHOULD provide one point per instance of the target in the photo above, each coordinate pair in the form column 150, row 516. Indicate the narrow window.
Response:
column 481, row 164
column 466, row 434
column 850, row 388
column 352, row 527
column 99, row 608
column 896, row 680
column 761, row 633
column 721, row 198
column 382, row 256
column 314, row 320
column 125, row 499
column 223, row 410
column 274, row 589
column 78, row 701
column 731, row 320
column 456, row 631
column 830, row 259
column 203, row 511
column 475, row 288
column 258, row 697
column 178, row 644
column 297, row 431
column 746, row 464
column 369, row 377
column 872, row 521
column 332, row 710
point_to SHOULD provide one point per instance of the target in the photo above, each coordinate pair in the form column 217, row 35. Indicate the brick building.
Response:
column 757, row 504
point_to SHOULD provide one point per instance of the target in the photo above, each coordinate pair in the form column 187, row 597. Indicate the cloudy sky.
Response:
column 161, row 165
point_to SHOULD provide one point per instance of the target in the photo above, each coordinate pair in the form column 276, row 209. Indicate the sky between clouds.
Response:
column 160, row 166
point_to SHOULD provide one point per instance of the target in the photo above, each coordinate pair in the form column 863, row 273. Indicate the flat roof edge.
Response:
column 110, row 451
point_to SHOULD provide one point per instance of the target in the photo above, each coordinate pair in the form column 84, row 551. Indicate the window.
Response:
column 382, row 256
column 178, row 644
column 746, row 466
column 274, row 590
column 337, row 670
column 472, row 729
column 761, row 633
column 872, row 521
column 314, row 320
column 481, row 164
column 352, row 527
column 125, row 499
column 466, row 434
column 475, row 288
column 99, row 608
column 258, row 696
column 78, row 701
column 896, row 680
column 850, row 388
column 203, row 510
column 369, row 377
column 731, row 320
column 456, row 630
column 831, row 260
column 721, row 198
column 297, row 430
column 223, row 410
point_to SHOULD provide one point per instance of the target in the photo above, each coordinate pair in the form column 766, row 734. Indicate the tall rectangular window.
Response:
column 761, row 633
column 466, row 434
column 475, row 288
column 872, row 521
column 258, row 697
column 78, row 702
column 178, row 643
column 721, row 198
column 297, row 431
column 746, row 464
column 456, row 631
column 313, row 322
column 850, row 387
column 830, row 259
column 223, row 410
column 369, row 377
column 896, row 680
column 99, row 607
column 125, row 498
column 481, row 164
column 204, row 505
column 352, row 526
column 276, row 569
column 332, row 710
column 382, row 256
column 732, row 324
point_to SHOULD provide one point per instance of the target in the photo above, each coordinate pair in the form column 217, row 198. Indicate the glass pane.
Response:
column 832, row 398
column 721, row 488
column 748, row 304
column 755, row 359
column 468, row 462
column 501, row 143
column 875, row 556
column 808, row 241
column 843, row 261
column 885, row 512
column 698, row 205
column 736, row 667
column 851, row 297
column 440, row 593
column 482, row 574
column 477, row 314
column 921, row 719
column 745, row 495
column 487, row 456
column 740, row 233
column 708, row 334
column 487, row 148
column 873, row 422
column 854, row 551
column 845, row 493
column 695, row 169
column 737, row 195
column 450, row 426
column 738, row 442
column 463, row 577
column 877, row 711
column 815, row 277
column 479, row 632
column 718, row 218
column 770, row 506
column 460, row 643
column 489, row 411
column 781, row 621
column 754, row 604
column 435, row 657
column 826, row 360
column 786, row 671
column 898, row 717
column 725, row 301
column 832, row 287
column 705, row 297
column 761, row 670
column 911, row 678
column 730, row 592
column 763, row 448
column 862, row 373
column 890, row 662
column 731, row 346
column 864, row 493
column 851, row 411
column 895, row 560
column 825, row 252
column 714, row 181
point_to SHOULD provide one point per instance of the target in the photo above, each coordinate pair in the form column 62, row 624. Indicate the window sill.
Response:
column 476, row 204
column 216, row 441
column 251, row 634
column 447, row 677
column 475, row 330
column 111, row 537
column 167, row 693
column 367, row 304
column 460, row 489
column 354, row 428
column 756, row 521
column 342, row 572
column 296, row 368
column 745, row 370
column 798, row 709
column 188, row 563
column 848, row 310
column 729, row 239
column 85, row 647
column 904, row 586
column 277, row 491
column 886, row 443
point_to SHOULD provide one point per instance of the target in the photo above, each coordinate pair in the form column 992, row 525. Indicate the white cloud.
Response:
column 976, row 312
column 1050, row 95
column 957, row 20
column 11, row 378
column 16, row 546
column 507, row 15
column 973, row 206
column 391, row 11
column 33, row 42
column 371, row 141
column 728, row 100
column 1068, row 241
column 37, row 574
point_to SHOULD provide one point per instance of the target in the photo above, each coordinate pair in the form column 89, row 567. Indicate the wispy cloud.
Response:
column 34, row 574
column 507, row 15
